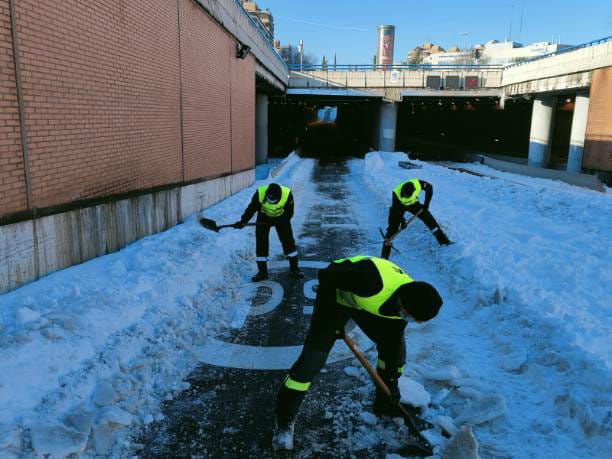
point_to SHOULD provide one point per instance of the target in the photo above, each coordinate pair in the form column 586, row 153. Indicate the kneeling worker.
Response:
column 274, row 206
column 380, row 298
column 405, row 197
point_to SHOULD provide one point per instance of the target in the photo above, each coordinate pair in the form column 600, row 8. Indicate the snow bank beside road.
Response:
column 527, row 315
column 90, row 351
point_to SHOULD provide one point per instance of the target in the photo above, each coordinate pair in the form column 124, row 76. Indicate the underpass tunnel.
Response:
column 323, row 127
column 433, row 128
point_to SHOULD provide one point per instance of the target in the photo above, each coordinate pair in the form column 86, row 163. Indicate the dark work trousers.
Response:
column 395, row 219
column 262, row 236
column 328, row 317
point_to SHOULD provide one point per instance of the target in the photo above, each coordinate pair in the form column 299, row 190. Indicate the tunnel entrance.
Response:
column 434, row 128
column 325, row 128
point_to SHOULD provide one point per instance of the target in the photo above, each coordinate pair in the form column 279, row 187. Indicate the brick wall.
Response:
column 598, row 139
column 12, row 181
column 243, row 113
column 103, row 84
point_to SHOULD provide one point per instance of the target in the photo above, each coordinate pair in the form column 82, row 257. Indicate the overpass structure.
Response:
column 569, row 71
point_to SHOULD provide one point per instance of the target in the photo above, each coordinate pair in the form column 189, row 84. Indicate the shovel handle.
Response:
column 382, row 386
column 375, row 376
column 406, row 225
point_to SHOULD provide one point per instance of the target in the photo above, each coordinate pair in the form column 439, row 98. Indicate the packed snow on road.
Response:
column 517, row 364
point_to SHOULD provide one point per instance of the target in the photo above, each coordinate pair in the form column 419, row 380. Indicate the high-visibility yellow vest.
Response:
column 414, row 197
column 392, row 277
column 273, row 210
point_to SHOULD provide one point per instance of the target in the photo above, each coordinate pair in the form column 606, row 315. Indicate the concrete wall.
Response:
column 598, row 137
column 119, row 99
column 231, row 15
column 12, row 183
column 584, row 180
column 573, row 62
column 34, row 248
column 383, row 78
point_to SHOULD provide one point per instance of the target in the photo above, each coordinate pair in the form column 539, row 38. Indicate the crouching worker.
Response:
column 274, row 206
column 405, row 198
column 380, row 298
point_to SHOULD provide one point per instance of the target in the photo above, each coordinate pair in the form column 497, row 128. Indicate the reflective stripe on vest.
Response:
column 414, row 197
column 273, row 210
column 392, row 278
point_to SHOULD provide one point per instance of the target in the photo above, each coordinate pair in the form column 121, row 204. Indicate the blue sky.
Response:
column 349, row 27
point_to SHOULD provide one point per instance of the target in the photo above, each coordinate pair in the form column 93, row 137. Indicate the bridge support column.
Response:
column 541, row 131
column 261, row 128
column 387, row 127
column 579, row 123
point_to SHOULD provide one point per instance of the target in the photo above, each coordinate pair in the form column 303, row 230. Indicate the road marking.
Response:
column 247, row 357
column 235, row 355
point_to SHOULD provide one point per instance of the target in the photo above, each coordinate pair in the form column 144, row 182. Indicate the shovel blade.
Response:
column 209, row 224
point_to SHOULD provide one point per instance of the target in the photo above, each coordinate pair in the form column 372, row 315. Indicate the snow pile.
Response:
column 88, row 353
column 521, row 350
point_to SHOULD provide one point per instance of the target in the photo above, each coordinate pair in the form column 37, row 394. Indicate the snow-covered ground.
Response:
column 521, row 352
column 526, row 329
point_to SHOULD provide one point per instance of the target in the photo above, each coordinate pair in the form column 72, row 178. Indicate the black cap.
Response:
column 407, row 189
column 273, row 193
column 421, row 300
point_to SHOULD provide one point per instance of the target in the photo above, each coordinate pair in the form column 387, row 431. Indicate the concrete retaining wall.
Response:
column 34, row 248
column 584, row 180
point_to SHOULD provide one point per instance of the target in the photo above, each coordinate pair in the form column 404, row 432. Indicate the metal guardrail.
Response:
column 432, row 67
column 374, row 68
column 262, row 31
column 563, row 51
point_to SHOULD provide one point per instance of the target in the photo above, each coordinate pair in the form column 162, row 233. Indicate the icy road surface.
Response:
column 100, row 357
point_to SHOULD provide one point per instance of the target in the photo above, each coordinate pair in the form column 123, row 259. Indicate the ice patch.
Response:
column 352, row 371
column 447, row 373
column 462, row 445
column 483, row 409
column 368, row 418
column 25, row 315
column 105, row 394
column 413, row 392
column 57, row 440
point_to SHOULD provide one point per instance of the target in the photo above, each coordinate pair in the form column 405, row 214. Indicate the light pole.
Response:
column 301, row 53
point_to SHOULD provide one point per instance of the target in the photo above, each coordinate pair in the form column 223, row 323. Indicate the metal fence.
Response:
column 373, row 67
column 599, row 41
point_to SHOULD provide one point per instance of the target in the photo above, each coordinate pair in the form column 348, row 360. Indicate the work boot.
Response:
column 282, row 439
column 262, row 273
column 383, row 404
column 288, row 404
column 441, row 237
column 294, row 270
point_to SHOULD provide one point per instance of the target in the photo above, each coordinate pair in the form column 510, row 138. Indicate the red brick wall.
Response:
column 598, row 138
column 243, row 113
column 205, row 57
column 12, row 181
column 102, row 89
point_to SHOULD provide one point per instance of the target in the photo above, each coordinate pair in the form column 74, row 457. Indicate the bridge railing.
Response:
column 390, row 67
column 428, row 77
column 570, row 49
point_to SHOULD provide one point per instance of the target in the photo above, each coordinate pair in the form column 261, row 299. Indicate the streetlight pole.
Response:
column 301, row 53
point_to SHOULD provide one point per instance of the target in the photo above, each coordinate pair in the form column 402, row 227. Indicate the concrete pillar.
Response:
column 261, row 128
column 387, row 127
column 579, row 124
column 541, row 131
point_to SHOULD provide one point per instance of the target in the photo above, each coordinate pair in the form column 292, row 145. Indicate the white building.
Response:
column 458, row 57
column 508, row 52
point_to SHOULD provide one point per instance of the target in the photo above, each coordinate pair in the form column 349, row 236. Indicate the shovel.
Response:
column 212, row 225
column 389, row 240
column 417, row 441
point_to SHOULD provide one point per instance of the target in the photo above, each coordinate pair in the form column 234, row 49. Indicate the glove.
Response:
column 239, row 224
